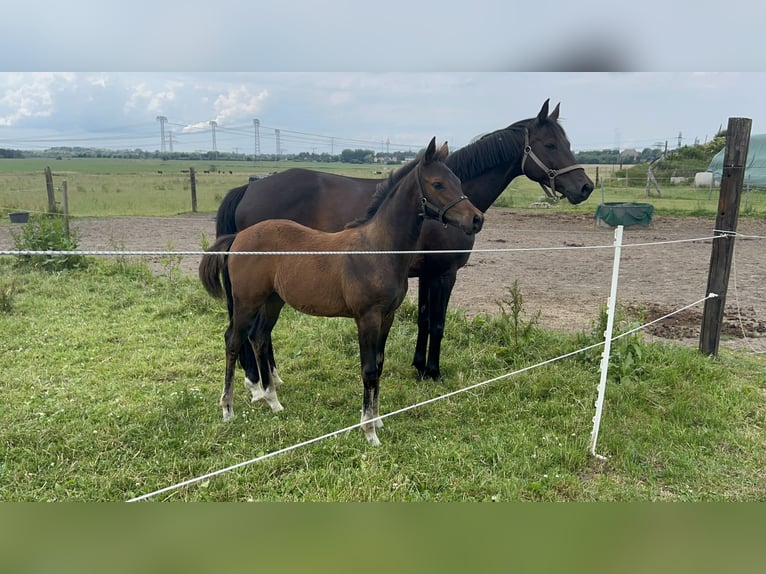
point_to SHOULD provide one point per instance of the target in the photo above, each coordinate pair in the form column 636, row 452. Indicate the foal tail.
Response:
column 213, row 267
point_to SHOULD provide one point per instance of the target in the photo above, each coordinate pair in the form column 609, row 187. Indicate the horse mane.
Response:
column 495, row 148
column 384, row 189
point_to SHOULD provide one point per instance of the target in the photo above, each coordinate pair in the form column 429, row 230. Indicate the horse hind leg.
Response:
column 261, row 343
column 267, row 395
column 233, row 344
column 273, row 364
column 250, row 365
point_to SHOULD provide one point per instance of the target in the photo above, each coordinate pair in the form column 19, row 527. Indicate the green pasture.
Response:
column 111, row 377
column 112, row 187
column 107, row 187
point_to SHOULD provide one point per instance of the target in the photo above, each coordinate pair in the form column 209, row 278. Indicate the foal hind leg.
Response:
column 253, row 380
column 234, row 336
column 260, row 340
column 250, row 365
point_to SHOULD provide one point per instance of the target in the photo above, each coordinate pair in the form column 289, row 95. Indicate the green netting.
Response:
column 755, row 169
column 625, row 214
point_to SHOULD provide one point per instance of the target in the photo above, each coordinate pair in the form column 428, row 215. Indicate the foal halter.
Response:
column 551, row 173
column 431, row 211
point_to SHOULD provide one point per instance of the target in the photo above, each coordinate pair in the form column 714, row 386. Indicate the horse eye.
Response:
column 550, row 146
column 438, row 185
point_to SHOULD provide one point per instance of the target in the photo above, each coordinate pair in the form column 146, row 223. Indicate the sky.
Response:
column 330, row 111
column 343, row 74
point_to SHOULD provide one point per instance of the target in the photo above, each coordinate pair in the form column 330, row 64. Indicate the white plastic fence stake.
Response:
column 611, row 304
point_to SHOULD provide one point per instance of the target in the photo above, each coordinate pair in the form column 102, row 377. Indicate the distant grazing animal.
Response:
column 368, row 287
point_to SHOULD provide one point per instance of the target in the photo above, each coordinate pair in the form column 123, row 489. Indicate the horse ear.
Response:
column 555, row 113
column 543, row 115
column 443, row 152
column 430, row 151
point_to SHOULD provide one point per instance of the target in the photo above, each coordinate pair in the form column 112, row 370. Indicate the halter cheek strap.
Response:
column 551, row 173
column 431, row 211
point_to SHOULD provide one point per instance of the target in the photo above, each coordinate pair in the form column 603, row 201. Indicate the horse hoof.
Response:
column 228, row 414
column 276, row 408
column 372, row 438
column 434, row 374
column 429, row 374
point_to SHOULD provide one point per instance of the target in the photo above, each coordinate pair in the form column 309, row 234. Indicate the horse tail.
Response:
column 213, row 266
column 225, row 223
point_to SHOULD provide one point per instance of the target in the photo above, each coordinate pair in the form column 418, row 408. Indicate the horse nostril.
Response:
column 478, row 221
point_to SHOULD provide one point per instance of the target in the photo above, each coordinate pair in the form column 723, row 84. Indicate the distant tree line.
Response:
column 698, row 153
column 346, row 156
column 11, row 153
column 616, row 157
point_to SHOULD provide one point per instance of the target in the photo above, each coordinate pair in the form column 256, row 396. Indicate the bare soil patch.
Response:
column 557, row 260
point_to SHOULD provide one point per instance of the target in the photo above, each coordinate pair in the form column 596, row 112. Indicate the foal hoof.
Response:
column 372, row 438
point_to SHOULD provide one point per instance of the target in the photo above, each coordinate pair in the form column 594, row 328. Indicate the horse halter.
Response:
column 431, row 211
column 551, row 173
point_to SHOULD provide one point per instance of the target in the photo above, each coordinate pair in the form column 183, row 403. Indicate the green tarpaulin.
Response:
column 755, row 169
column 625, row 214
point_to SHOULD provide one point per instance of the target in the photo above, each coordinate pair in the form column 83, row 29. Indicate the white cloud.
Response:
column 30, row 95
column 149, row 99
column 239, row 102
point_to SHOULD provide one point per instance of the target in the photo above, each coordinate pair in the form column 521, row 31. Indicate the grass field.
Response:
column 109, row 187
column 111, row 377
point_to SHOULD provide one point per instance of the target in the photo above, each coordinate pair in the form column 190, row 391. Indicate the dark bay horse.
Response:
column 536, row 147
column 367, row 287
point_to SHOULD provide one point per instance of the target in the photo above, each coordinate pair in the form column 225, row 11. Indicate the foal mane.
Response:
column 384, row 189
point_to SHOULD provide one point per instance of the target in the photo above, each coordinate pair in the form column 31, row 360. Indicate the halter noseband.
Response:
column 551, row 173
column 431, row 211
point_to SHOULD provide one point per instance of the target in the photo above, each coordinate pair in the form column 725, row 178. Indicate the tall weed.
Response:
column 47, row 233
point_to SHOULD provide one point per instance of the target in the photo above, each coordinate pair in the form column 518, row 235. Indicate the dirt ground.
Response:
column 567, row 283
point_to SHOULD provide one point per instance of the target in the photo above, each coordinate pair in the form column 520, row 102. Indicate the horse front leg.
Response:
column 369, row 336
column 421, row 345
column 440, row 292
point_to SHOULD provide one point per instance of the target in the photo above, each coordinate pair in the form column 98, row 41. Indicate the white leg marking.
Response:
column 376, row 412
column 256, row 390
column 228, row 409
column 275, row 378
column 369, row 430
column 270, row 396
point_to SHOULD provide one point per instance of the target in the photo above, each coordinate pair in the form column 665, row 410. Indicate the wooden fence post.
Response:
column 193, row 179
column 65, row 204
column 49, row 188
column 734, row 163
